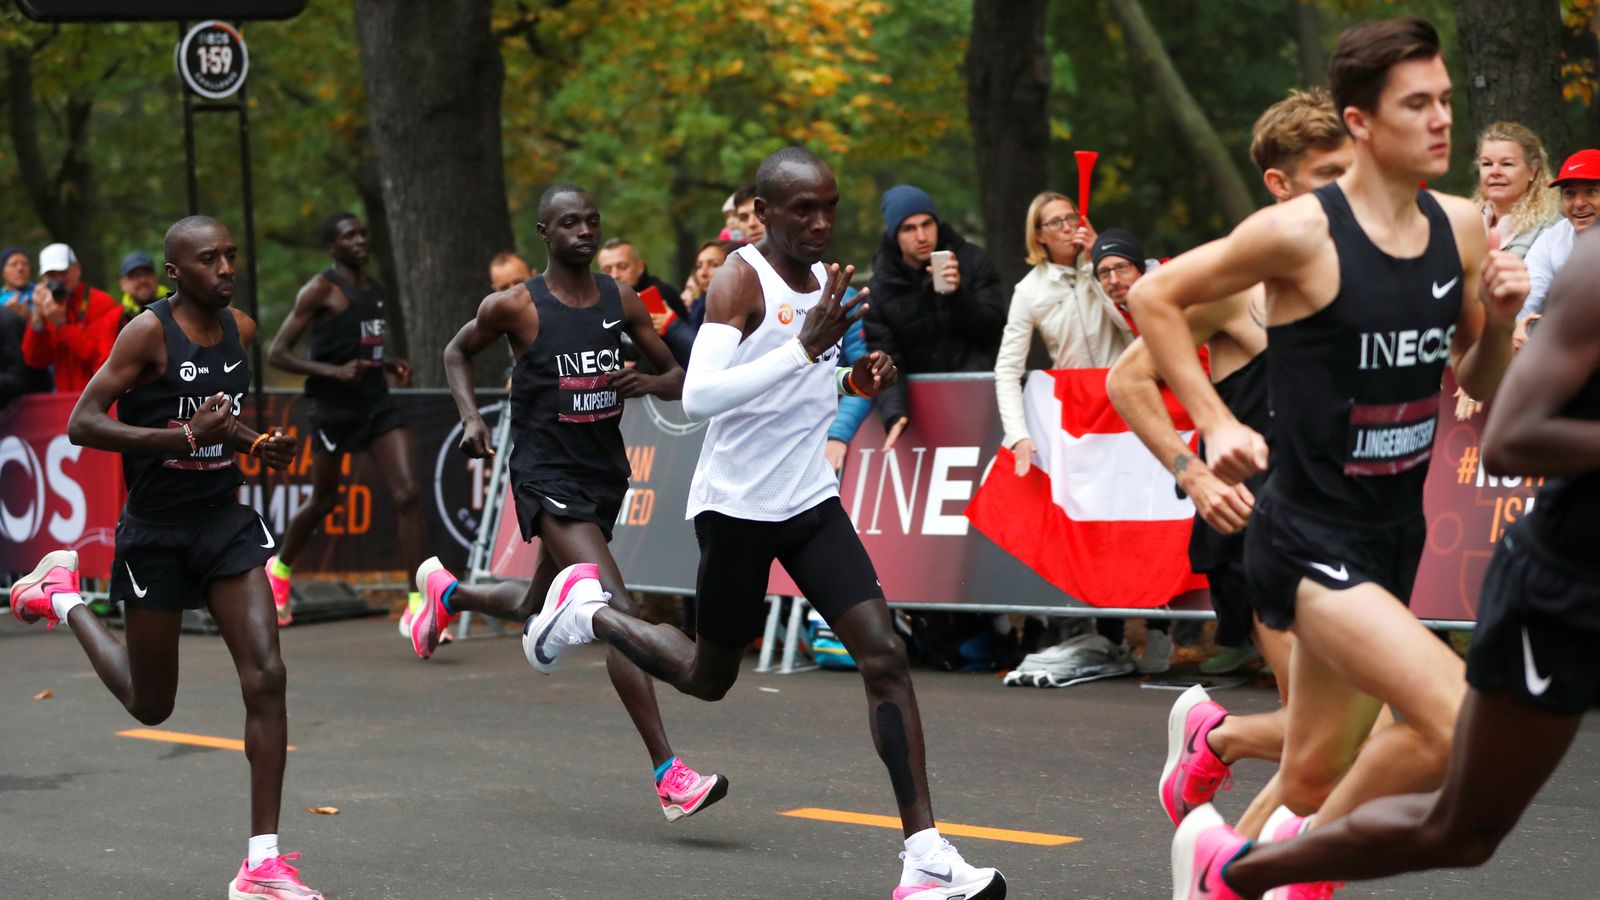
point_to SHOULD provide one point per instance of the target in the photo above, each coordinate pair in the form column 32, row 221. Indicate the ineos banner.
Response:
column 1468, row 510
column 907, row 504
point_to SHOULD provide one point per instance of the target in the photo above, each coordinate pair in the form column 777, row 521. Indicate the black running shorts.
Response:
column 168, row 565
column 1538, row 626
column 1285, row 544
column 336, row 429
column 819, row 548
column 587, row 501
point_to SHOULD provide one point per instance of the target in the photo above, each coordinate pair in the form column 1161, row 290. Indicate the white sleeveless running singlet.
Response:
column 763, row 460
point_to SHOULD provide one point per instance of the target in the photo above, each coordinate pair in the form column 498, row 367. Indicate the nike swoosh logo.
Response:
column 140, row 592
column 538, row 645
column 556, row 503
column 942, row 876
column 332, row 447
column 605, row 324
column 1536, row 685
column 230, row 367
column 270, row 542
column 1204, row 887
column 1339, row 574
column 1440, row 290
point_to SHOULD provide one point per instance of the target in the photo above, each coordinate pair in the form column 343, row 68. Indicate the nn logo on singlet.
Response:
column 1404, row 349
column 589, row 362
column 187, row 370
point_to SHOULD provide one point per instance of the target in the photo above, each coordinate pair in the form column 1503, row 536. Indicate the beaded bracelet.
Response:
column 257, row 443
column 188, row 435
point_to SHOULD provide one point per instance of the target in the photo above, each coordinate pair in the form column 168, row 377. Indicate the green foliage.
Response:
column 1237, row 58
column 663, row 109
column 306, row 115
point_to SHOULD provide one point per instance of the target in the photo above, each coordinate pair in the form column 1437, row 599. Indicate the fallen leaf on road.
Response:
column 323, row 810
column 43, row 695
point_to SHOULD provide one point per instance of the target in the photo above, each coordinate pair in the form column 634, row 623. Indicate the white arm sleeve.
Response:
column 711, row 388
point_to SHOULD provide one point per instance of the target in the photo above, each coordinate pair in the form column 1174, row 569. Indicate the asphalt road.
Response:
column 470, row 776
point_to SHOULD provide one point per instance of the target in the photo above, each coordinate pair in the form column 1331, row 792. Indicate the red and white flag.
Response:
column 1097, row 515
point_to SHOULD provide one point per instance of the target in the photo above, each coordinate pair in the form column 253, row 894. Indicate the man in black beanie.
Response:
column 925, row 330
column 1118, row 262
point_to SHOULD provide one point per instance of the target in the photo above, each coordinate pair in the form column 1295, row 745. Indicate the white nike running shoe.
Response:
column 557, row 626
column 944, row 875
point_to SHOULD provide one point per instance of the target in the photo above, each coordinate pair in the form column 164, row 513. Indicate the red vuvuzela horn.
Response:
column 1086, row 160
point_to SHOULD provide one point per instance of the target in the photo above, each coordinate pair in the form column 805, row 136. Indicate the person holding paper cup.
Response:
column 937, row 301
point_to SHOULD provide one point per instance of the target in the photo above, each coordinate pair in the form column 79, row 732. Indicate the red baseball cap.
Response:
column 1581, row 166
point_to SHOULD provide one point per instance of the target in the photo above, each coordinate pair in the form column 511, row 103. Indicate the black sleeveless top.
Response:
column 565, row 420
column 172, row 487
column 1244, row 392
column 356, row 333
column 1355, row 386
column 1564, row 516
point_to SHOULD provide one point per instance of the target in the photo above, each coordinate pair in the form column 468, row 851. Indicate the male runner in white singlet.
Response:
column 763, row 372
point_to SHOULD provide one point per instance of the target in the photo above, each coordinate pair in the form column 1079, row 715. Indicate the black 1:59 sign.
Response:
column 212, row 60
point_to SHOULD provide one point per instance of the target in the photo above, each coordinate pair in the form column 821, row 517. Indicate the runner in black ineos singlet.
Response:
column 1355, row 399
column 178, row 377
column 351, row 410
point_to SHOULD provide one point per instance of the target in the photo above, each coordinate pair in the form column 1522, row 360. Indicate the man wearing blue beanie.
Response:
column 953, row 325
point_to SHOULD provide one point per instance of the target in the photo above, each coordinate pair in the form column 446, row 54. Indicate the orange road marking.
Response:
column 178, row 737
column 1035, row 838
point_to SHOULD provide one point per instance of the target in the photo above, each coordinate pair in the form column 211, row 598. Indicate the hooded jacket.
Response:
column 927, row 332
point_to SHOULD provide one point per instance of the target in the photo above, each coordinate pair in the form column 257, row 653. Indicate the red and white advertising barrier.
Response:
column 53, row 494
column 911, row 505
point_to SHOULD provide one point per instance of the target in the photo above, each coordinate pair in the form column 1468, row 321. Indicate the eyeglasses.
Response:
column 1058, row 223
column 1120, row 270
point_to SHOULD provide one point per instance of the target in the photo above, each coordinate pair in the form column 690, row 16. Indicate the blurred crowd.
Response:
column 55, row 328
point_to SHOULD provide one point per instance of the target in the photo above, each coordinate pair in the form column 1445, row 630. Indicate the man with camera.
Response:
column 72, row 325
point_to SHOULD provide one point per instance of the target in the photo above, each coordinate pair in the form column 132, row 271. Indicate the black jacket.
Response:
column 17, row 379
column 926, row 332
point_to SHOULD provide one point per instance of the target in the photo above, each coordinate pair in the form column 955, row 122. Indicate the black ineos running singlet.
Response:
column 356, row 333
column 566, row 421
column 1563, row 517
column 174, row 486
column 1355, row 386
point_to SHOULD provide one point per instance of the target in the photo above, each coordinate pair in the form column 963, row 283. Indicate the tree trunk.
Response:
column 1308, row 43
column 370, row 188
column 1513, row 70
column 1191, row 121
column 1008, row 94
column 433, row 77
column 63, row 200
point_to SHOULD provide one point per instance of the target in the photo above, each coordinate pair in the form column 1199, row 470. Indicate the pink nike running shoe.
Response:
column 56, row 573
column 684, row 792
column 1202, row 847
column 274, row 879
column 1193, row 773
column 433, row 580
